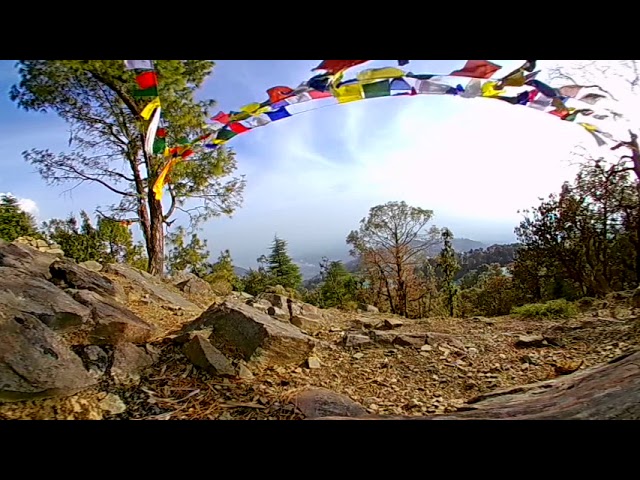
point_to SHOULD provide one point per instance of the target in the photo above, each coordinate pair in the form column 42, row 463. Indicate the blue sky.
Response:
column 312, row 177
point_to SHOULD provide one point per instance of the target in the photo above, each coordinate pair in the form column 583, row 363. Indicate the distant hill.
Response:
column 240, row 271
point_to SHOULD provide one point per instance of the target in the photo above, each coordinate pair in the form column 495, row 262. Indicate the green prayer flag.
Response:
column 377, row 89
column 149, row 92
column 159, row 144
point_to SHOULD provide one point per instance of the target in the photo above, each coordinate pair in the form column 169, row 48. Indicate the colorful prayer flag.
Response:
column 151, row 131
column 477, row 69
column 349, row 93
column 149, row 92
column 277, row 94
column 147, row 80
column 150, row 108
column 238, row 128
column 377, row 89
column 431, row 87
column 402, row 63
column 158, row 186
column 278, row 114
column 375, row 74
column 592, row 98
column 221, row 117
column 400, row 84
column 159, row 144
column 138, row 65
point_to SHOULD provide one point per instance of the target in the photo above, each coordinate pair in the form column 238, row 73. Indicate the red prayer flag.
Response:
column 277, row 94
column 221, row 117
column 161, row 133
column 336, row 66
column 147, row 80
column 315, row 94
column 237, row 127
column 477, row 69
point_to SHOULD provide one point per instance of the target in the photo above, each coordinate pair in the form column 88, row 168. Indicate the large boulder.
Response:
column 204, row 355
column 129, row 362
column 40, row 298
column 320, row 402
column 27, row 259
column 69, row 274
column 34, row 362
column 150, row 285
column 195, row 286
column 240, row 329
column 111, row 322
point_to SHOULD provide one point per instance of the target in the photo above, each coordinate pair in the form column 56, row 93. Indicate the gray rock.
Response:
column 111, row 321
column 308, row 325
column 74, row 276
column 369, row 323
column 38, row 297
column 112, row 404
column 129, row 362
column 382, row 337
column 313, row 363
column 27, row 259
column 278, row 313
column 91, row 265
column 253, row 334
column 434, row 338
column 204, row 355
column 95, row 360
column 356, row 340
column 244, row 372
column 195, row 286
column 531, row 341
column 34, row 362
column 154, row 287
column 368, row 308
column 410, row 340
column 321, row 402
column 392, row 323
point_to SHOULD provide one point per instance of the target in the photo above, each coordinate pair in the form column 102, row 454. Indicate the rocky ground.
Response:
column 131, row 347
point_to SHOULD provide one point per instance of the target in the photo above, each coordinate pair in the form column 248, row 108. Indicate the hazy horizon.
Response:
column 311, row 178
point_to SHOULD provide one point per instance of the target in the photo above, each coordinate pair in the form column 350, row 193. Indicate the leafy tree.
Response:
column 15, row 222
column 392, row 242
column 187, row 257
column 338, row 286
column 280, row 267
column 449, row 265
column 222, row 271
column 117, row 240
column 79, row 240
column 107, row 136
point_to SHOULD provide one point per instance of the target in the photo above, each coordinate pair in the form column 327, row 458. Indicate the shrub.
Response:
column 553, row 309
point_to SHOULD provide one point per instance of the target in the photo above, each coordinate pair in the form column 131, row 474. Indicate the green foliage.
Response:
column 449, row 266
column 560, row 308
column 493, row 295
column 280, row 268
column 187, row 257
column 222, row 272
column 15, row 222
column 95, row 97
column 583, row 241
column 392, row 243
column 338, row 286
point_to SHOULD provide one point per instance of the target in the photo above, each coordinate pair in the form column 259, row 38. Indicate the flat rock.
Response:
column 531, row 341
column 369, row 323
column 435, row 338
column 111, row 321
column 112, row 404
column 392, row 323
column 253, row 335
column 23, row 257
column 278, row 313
column 321, row 402
column 383, row 337
column 279, row 301
column 91, row 265
column 129, row 362
column 204, row 355
column 308, row 325
column 38, row 297
column 355, row 340
column 74, row 276
column 34, row 361
column 410, row 340
column 244, row 372
column 154, row 287
column 307, row 310
column 313, row 362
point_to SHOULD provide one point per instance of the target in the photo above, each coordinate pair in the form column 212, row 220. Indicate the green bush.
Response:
column 553, row 309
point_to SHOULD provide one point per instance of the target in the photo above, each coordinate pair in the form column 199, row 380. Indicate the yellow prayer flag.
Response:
column 255, row 109
column 489, row 90
column 349, row 93
column 588, row 127
column 374, row 74
column 158, row 187
column 150, row 108
column 516, row 79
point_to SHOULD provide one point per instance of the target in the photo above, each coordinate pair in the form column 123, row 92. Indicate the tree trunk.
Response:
column 155, row 242
column 607, row 392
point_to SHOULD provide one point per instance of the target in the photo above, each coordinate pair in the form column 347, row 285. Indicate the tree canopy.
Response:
column 107, row 137
column 15, row 222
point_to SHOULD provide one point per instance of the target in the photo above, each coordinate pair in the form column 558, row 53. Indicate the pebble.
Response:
column 426, row 348
column 472, row 352
column 503, row 356
column 358, row 355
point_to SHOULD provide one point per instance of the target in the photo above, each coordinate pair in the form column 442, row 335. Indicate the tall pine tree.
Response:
column 280, row 267
column 449, row 265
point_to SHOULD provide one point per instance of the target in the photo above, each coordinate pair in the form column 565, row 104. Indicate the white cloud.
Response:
column 26, row 204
